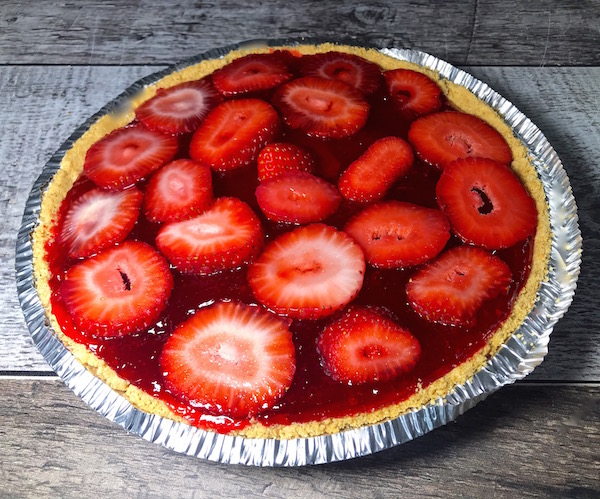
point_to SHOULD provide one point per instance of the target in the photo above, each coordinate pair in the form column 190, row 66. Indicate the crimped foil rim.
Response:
column 518, row 357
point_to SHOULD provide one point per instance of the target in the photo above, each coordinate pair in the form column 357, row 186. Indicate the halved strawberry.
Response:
column 440, row 138
column 413, row 93
column 230, row 359
column 226, row 236
column 308, row 273
column 486, row 203
column 99, row 219
column 321, row 107
column 251, row 73
column 178, row 109
column 376, row 170
column 297, row 197
column 363, row 346
column 395, row 234
column 119, row 291
column 233, row 133
column 180, row 190
column 450, row 289
column 351, row 69
column 127, row 155
column 280, row 157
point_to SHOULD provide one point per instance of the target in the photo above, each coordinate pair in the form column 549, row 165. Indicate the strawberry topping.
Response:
column 119, row 291
column 321, row 107
column 99, row 219
column 225, row 237
column 233, row 134
column 178, row 109
column 217, row 346
column 450, row 289
column 180, row 190
column 348, row 68
column 486, row 203
column 230, row 359
column 252, row 73
column 297, row 197
column 413, row 94
column 395, row 234
column 371, row 176
column 127, row 155
column 280, row 157
column 440, row 138
column 363, row 346
column 308, row 273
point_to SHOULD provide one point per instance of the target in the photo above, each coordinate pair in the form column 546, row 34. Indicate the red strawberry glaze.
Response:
column 313, row 395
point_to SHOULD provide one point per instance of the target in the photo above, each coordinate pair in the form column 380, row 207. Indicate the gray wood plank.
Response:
column 521, row 442
column 41, row 106
column 484, row 32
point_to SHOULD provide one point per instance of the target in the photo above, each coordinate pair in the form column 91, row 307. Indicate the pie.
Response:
column 292, row 241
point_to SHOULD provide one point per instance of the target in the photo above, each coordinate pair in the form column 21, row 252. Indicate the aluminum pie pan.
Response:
column 518, row 357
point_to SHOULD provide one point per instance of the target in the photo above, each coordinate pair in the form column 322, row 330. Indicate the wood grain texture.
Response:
column 523, row 442
column 42, row 106
column 485, row 32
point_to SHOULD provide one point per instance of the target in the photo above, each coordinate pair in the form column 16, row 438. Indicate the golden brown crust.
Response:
column 459, row 97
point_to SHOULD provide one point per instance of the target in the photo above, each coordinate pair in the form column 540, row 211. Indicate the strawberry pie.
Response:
column 292, row 241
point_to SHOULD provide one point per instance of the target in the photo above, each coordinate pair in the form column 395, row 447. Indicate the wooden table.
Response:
column 60, row 62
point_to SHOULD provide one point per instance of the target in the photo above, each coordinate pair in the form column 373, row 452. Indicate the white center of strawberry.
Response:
column 177, row 185
column 93, row 218
column 208, row 230
column 228, row 353
column 318, row 104
column 127, row 153
column 185, row 102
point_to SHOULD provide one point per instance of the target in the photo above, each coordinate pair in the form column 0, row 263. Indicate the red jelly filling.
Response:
column 313, row 395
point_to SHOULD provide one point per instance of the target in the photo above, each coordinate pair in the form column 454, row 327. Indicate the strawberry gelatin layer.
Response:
column 313, row 395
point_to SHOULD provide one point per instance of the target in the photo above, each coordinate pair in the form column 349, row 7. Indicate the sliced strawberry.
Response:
column 280, row 157
column 376, row 170
column 297, row 197
column 119, row 291
column 321, row 107
column 308, row 273
column 252, row 73
column 180, row 190
column 363, row 346
column 225, row 237
column 99, row 219
column 230, row 359
column 413, row 93
column 486, row 203
column 233, row 133
column 127, row 155
column 178, row 109
column 357, row 72
column 395, row 234
column 439, row 138
column 450, row 289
